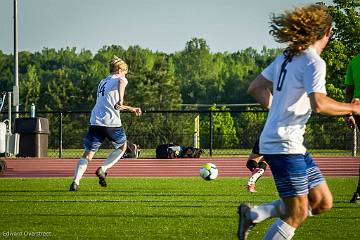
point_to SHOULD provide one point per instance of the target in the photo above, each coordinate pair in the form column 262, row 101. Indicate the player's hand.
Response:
column 136, row 110
column 356, row 101
column 118, row 105
column 350, row 121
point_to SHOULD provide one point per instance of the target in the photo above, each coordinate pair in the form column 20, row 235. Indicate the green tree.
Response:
column 30, row 87
column 197, row 70
column 248, row 127
column 166, row 88
column 346, row 43
column 224, row 131
column 6, row 72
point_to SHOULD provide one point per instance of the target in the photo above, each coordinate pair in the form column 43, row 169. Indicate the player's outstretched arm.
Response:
column 135, row 110
column 320, row 103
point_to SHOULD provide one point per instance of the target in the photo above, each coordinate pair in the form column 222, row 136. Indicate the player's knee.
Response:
column 325, row 205
column 262, row 165
column 88, row 155
column 122, row 147
column 328, row 203
column 302, row 213
column 251, row 164
column 296, row 217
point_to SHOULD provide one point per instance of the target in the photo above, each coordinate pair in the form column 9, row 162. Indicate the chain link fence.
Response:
column 220, row 133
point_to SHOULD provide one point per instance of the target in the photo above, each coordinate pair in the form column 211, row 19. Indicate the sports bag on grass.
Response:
column 170, row 150
column 191, row 152
column 167, row 151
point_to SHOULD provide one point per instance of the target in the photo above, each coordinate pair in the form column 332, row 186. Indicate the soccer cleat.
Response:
column 101, row 175
column 245, row 223
column 355, row 198
column 255, row 176
column 73, row 187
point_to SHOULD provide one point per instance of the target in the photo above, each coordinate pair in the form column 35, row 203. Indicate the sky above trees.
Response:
column 163, row 25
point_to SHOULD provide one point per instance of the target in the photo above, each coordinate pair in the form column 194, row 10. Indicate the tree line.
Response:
column 65, row 79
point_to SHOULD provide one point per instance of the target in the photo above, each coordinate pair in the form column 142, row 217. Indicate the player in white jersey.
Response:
column 294, row 86
column 105, row 122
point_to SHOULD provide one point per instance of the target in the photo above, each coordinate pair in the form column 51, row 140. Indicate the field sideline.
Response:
column 155, row 208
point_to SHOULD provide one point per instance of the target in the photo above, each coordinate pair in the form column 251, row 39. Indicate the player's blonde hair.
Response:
column 117, row 64
column 301, row 27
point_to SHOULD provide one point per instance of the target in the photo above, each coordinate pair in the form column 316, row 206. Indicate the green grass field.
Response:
column 155, row 208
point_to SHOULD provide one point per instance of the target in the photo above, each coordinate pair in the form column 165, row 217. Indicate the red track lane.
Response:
column 228, row 167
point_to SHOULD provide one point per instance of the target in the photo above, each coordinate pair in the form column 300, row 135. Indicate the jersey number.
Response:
column 101, row 89
column 282, row 74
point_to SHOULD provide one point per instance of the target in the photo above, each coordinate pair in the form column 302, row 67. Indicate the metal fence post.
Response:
column 211, row 132
column 197, row 132
column 9, row 111
column 61, row 135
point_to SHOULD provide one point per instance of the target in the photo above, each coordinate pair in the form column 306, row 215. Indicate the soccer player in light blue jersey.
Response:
column 294, row 86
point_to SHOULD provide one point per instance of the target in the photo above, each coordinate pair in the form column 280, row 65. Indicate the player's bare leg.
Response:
column 320, row 199
column 296, row 213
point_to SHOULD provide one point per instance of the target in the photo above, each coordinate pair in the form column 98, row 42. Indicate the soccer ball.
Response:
column 209, row 171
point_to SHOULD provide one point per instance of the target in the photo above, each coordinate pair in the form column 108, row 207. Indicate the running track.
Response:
column 229, row 167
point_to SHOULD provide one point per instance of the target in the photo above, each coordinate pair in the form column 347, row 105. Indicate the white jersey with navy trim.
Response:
column 104, row 113
column 293, row 81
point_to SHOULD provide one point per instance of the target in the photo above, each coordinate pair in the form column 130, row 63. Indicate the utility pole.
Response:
column 16, row 63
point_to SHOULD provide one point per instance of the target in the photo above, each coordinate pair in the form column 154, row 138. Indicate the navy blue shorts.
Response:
column 97, row 134
column 294, row 174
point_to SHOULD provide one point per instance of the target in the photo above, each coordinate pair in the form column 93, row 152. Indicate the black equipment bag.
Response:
column 164, row 151
column 191, row 152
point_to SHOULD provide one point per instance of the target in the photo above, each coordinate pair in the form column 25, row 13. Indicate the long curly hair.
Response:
column 301, row 27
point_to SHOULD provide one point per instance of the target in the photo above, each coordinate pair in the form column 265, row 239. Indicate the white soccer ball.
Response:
column 209, row 171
